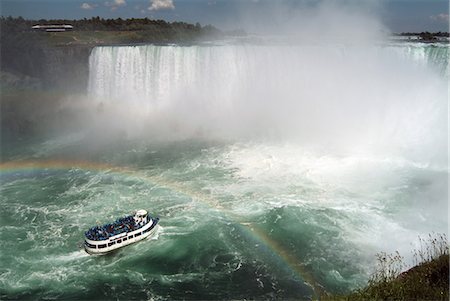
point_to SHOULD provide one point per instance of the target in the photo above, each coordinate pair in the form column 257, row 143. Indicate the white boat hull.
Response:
column 124, row 239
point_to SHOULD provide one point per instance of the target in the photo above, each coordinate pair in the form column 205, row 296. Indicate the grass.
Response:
column 93, row 38
column 427, row 280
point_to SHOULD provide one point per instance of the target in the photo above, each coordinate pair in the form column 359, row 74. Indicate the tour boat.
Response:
column 124, row 231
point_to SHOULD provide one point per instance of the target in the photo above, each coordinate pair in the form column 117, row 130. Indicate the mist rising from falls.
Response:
column 382, row 99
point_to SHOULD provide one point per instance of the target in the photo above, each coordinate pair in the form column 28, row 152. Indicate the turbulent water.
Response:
column 276, row 171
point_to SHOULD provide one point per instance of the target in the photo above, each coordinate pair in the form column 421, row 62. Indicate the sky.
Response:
column 250, row 15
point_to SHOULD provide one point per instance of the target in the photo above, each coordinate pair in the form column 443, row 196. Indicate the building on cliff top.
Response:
column 52, row 28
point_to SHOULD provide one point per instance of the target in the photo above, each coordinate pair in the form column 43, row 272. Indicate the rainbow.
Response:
column 11, row 167
column 251, row 231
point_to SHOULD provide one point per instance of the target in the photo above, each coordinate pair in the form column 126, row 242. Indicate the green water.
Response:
column 208, row 204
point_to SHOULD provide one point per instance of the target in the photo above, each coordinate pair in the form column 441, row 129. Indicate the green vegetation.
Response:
column 99, row 24
column 427, row 280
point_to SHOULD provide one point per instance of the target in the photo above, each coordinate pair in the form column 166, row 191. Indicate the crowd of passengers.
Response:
column 121, row 225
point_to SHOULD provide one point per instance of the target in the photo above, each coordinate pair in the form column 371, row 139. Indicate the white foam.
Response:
column 70, row 256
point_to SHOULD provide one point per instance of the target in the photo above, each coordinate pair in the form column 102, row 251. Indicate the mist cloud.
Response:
column 311, row 19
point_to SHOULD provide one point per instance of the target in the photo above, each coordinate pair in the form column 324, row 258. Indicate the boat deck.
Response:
column 121, row 225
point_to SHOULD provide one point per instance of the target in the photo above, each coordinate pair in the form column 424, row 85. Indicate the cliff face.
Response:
column 61, row 68
column 35, row 82
column 66, row 68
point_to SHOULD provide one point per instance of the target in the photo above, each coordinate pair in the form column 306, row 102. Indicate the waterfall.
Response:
column 157, row 73
column 376, row 97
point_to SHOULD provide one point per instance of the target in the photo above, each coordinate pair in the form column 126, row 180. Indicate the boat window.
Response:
column 89, row 245
column 146, row 230
column 137, row 234
column 119, row 241
column 102, row 246
column 125, row 238
column 111, row 243
column 131, row 236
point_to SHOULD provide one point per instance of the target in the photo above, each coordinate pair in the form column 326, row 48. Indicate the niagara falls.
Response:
column 282, row 160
